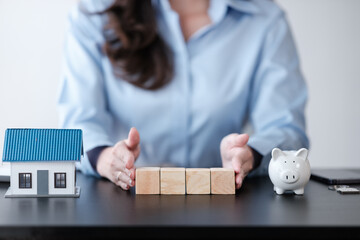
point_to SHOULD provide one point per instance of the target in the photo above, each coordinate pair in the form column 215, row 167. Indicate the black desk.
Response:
column 105, row 210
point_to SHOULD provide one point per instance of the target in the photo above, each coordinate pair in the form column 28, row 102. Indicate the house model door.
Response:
column 43, row 182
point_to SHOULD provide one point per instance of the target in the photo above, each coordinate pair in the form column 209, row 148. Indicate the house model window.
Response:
column 25, row 180
column 60, row 180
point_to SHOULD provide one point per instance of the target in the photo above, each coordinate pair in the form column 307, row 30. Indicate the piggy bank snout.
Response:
column 289, row 176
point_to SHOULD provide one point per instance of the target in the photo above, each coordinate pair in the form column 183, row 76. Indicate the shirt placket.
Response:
column 181, row 114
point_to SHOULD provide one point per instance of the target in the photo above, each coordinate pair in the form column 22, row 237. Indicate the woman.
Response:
column 188, row 75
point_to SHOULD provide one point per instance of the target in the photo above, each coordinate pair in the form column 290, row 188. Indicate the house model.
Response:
column 43, row 162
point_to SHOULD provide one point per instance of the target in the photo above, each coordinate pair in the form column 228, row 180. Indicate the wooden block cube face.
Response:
column 147, row 180
column 222, row 181
column 172, row 180
column 198, row 181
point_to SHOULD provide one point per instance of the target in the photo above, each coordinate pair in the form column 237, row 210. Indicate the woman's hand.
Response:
column 235, row 153
column 117, row 163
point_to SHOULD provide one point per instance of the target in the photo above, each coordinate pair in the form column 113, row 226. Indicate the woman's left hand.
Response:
column 236, row 154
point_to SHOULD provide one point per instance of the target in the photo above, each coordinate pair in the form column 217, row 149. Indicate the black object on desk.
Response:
column 336, row 176
column 104, row 210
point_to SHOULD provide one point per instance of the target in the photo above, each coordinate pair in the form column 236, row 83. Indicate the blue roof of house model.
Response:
column 42, row 145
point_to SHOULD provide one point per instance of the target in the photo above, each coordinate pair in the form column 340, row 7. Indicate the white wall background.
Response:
column 327, row 34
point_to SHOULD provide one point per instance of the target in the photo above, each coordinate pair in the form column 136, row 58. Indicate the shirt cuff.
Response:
column 93, row 156
column 257, row 158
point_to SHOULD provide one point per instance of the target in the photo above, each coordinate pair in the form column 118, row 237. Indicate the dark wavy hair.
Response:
column 137, row 52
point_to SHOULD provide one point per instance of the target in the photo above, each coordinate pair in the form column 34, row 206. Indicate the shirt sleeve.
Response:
column 278, row 96
column 81, row 98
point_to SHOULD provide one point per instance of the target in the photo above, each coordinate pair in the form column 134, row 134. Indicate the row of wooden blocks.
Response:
column 156, row 180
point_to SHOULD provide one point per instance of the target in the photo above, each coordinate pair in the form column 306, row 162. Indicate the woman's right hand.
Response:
column 117, row 163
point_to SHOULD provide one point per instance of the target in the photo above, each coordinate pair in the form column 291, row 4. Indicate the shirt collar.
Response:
column 217, row 11
column 218, row 7
column 246, row 6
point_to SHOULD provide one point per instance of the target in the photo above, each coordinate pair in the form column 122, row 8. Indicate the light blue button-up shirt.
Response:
column 242, row 68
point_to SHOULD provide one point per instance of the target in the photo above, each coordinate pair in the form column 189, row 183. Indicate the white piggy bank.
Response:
column 289, row 170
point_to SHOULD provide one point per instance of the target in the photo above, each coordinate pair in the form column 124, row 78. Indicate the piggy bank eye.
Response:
column 293, row 161
column 285, row 161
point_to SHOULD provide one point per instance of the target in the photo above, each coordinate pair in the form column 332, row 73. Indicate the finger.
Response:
column 117, row 164
column 133, row 173
column 118, row 182
column 240, row 140
column 238, row 159
column 238, row 180
column 124, row 155
column 242, row 159
column 133, row 139
column 122, row 177
column 122, row 185
column 129, row 160
column 121, row 166
column 244, row 171
column 227, row 141
column 236, row 163
column 136, row 152
column 234, row 140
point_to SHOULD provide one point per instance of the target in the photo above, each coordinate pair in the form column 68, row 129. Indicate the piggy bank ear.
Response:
column 302, row 153
column 276, row 153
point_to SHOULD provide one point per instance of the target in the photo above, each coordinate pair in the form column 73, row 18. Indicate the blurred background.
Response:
column 327, row 34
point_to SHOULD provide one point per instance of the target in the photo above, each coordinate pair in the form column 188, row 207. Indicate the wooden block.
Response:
column 172, row 180
column 222, row 181
column 198, row 181
column 147, row 180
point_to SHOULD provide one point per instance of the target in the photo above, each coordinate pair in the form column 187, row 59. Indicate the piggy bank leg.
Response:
column 278, row 190
column 299, row 191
